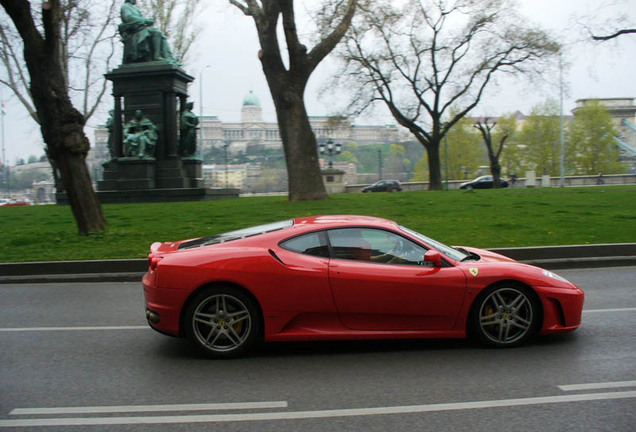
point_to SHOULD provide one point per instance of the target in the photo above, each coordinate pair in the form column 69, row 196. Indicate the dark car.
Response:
column 384, row 186
column 483, row 182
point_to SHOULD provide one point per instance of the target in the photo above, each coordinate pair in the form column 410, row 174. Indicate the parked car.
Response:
column 384, row 186
column 343, row 278
column 15, row 202
column 483, row 182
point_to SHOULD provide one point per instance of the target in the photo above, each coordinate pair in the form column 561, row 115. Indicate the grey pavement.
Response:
column 129, row 270
column 81, row 357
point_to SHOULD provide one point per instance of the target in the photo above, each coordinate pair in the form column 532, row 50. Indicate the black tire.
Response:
column 223, row 322
column 505, row 315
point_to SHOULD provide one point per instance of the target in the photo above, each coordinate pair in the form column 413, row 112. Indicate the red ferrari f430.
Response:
column 345, row 278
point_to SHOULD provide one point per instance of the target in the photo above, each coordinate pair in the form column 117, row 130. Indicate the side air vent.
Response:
column 273, row 254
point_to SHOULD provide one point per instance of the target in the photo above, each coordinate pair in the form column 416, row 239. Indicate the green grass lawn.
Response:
column 485, row 218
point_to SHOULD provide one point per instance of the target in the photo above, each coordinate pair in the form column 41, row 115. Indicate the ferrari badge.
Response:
column 474, row 271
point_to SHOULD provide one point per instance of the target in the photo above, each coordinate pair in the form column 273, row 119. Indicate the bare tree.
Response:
column 62, row 125
column 177, row 20
column 287, row 82
column 430, row 55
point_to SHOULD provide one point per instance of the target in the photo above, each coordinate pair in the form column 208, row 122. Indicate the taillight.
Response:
column 153, row 261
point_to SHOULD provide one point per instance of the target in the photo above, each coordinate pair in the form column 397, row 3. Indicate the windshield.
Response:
column 446, row 250
column 236, row 235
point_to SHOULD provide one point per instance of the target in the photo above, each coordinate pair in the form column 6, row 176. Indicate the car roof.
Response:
column 332, row 221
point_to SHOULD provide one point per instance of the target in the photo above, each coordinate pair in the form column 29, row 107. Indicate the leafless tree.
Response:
column 62, row 125
column 287, row 79
column 424, row 57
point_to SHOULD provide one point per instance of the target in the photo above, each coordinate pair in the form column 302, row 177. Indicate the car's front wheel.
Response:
column 505, row 315
column 222, row 321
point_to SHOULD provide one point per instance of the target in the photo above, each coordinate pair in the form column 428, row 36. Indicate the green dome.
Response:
column 251, row 99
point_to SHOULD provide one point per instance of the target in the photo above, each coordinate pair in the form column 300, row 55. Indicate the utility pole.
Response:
column 562, row 132
column 5, row 167
column 380, row 165
column 227, row 161
column 201, row 112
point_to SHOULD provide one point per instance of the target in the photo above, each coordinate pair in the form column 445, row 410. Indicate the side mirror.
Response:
column 434, row 257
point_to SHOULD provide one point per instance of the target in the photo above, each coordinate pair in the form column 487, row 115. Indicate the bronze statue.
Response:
column 142, row 42
column 189, row 123
column 140, row 137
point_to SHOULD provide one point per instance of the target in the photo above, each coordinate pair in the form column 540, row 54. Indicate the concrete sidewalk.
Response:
column 122, row 270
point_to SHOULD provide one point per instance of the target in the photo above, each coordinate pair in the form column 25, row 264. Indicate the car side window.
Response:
column 308, row 244
column 374, row 245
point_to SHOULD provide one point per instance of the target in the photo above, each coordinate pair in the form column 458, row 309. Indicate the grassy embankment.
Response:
column 502, row 218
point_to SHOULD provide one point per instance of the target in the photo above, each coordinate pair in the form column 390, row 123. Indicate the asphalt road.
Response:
column 80, row 357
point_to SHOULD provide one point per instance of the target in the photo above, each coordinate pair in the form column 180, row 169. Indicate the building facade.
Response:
column 253, row 131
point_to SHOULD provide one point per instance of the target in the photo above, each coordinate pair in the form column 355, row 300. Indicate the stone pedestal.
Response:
column 194, row 171
column 333, row 180
column 171, row 175
column 531, row 179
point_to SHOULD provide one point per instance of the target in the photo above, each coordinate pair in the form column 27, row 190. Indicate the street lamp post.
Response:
column 561, row 126
column 201, row 111
column 446, row 158
column 225, row 147
column 331, row 150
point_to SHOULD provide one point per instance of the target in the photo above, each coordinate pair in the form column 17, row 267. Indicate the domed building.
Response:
column 253, row 131
column 251, row 111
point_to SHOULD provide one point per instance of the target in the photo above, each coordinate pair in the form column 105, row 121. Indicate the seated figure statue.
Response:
column 140, row 137
column 142, row 41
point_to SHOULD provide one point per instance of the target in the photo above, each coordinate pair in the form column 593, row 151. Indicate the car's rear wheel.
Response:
column 505, row 315
column 222, row 321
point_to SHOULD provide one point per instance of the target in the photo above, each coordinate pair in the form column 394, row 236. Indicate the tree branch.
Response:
column 615, row 35
column 327, row 44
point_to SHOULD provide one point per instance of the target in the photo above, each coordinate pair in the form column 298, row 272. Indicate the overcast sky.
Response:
column 225, row 62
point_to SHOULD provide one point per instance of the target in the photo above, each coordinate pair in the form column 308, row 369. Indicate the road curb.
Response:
column 131, row 270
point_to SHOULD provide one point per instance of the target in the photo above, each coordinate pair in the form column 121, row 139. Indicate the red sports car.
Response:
column 347, row 277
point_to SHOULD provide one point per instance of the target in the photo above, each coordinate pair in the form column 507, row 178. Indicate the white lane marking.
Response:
column 630, row 309
column 40, row 329
column 294, row 415
column 598, row 386
column 148, row 408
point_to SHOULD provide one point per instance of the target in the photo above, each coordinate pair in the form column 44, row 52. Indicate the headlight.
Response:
column 554, row 276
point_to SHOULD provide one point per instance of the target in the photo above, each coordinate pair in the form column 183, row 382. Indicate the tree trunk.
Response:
column 301, row 153
column 434, row 166
column 67, row 148
column 495, row 169
column 82, row 198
